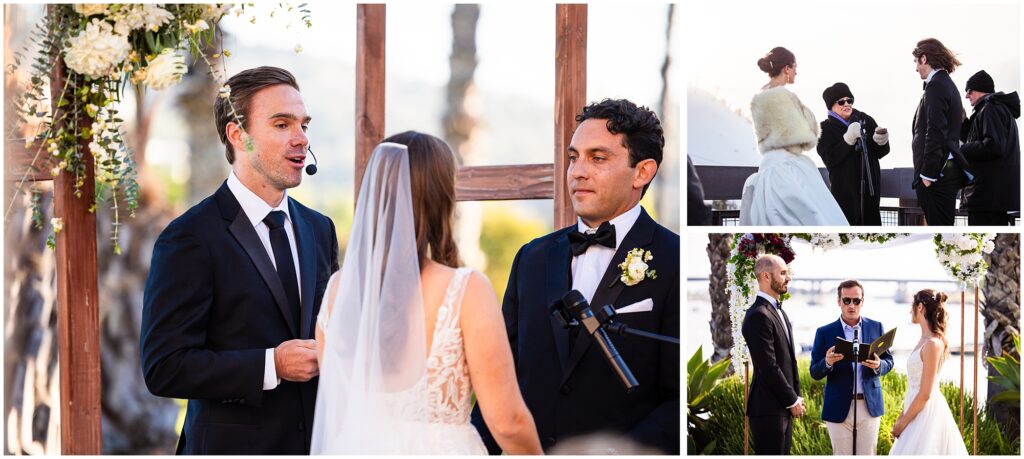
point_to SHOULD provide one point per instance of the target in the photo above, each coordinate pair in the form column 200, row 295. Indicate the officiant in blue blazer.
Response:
column 840, row 401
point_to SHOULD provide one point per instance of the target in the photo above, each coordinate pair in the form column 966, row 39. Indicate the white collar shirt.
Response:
column 589, row 267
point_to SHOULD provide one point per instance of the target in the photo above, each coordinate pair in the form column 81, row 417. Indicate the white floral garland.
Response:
column 960, row 254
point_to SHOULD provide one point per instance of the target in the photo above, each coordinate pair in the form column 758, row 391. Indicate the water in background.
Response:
column 813, row 304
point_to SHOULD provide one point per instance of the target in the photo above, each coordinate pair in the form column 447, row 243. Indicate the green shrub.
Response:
column 810, row 435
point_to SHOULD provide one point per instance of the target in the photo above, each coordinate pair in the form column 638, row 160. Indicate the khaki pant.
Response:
column 841, row 434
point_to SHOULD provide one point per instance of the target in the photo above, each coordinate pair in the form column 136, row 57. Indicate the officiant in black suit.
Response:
column 236, row 282
column 940, row 169
column 564, row 378
column 775, row 385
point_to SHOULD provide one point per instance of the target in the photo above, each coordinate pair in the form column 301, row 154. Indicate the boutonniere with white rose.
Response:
column 634, row 267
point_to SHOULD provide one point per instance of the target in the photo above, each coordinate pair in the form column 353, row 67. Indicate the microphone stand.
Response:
column 856, row 357
column 607, row 312
column 865, row 170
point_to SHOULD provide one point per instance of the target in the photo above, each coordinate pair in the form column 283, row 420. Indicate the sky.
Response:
column 865, row 44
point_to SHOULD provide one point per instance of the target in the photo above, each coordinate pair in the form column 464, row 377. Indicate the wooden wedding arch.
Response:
column 76, row 267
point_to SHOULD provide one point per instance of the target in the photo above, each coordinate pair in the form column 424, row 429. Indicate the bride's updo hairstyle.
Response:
column 934, row 304
column 776, row 60
column 432, row 171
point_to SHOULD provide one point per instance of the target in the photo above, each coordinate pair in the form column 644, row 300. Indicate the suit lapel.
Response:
column 241, row 228
column 777, row 319
column 556, row 284
column 305, row 243
column 608, row 291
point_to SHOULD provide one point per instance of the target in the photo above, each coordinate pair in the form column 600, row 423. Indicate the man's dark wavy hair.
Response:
column 645, row 139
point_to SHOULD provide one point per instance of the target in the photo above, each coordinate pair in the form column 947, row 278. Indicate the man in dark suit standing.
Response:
column 564, row 378
column 775, row 386
column 236, row 283
column 846, row 379
column 940, row 170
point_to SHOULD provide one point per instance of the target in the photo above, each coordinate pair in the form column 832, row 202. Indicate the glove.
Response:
column 852, row 133
column 881, row 136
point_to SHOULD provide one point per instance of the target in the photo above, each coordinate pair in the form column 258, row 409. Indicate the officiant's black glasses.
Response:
column 847, row 301
column 841, row 102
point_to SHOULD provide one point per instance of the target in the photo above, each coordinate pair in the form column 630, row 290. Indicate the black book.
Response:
column 877, row 347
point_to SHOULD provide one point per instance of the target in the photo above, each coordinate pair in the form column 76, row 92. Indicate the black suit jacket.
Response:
column 575, row 393
column 937, row 128
column 213, row 304
column 844, row 168
column 992, row 145
column 775, row 384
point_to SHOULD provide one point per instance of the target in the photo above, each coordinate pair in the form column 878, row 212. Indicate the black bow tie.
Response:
column 924, row 85
column 605, row 235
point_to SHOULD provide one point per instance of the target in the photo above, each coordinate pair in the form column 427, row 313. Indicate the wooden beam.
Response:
column 570, row 96
column 495, row 183
column 370, row 27
column 77, row 300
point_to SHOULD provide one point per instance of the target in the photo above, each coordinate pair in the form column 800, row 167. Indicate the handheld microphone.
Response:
column 856, row 343
column 579, row 309
column 311, row 168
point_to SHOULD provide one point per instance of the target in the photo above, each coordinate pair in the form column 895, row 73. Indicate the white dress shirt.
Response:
column 789, row 333
column 848, row 334
column 589, row 267
column 256, row 209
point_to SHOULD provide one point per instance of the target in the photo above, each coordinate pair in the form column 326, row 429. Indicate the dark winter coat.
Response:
column 843, row 162
column 992, row 145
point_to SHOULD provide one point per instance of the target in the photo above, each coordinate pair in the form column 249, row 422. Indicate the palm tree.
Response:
column 1002, row 317
column 721, row 324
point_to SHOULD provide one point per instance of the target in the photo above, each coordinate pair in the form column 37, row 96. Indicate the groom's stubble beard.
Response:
column 780, row 287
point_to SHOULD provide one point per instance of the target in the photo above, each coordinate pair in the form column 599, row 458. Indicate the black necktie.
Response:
column 605, row 235
column 924, row 85
column 283, row 256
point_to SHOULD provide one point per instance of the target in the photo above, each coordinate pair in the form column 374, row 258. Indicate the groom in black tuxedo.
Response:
column 235, row 285
column 940, row 169
column 564, row 378
column 775, row 385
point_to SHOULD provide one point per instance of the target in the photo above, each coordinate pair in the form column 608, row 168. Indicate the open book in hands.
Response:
column 878, row 347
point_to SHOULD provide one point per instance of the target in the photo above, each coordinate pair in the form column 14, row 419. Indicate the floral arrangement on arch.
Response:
column 104, row 48
column 962, row 255
column 745, row 250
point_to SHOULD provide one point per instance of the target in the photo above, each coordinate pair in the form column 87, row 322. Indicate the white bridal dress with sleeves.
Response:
column 933, row 431
column 381, row 391
column 787, row 188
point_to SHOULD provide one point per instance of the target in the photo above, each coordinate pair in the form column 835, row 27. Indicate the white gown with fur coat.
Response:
column 787, row 188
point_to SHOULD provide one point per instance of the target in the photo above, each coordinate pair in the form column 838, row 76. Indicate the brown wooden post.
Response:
column 974, row 406
column 570, row 95
column 370, row 27
column 962, row 325
column 77, row 299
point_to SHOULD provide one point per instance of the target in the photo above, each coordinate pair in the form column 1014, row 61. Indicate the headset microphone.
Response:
column 311, row 168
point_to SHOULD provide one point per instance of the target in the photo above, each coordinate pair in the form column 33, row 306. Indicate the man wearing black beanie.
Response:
column 992, row 145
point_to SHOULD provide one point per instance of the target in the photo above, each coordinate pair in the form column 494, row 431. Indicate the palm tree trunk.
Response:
column 721, row 324
column 1002, row 318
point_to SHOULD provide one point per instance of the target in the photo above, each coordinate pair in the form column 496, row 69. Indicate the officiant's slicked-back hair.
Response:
column 645, row 139
column 243, row 87
column 432, row 169
column 850, row 283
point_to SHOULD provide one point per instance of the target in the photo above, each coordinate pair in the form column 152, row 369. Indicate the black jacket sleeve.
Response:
column 989, row 136
column 758, row 331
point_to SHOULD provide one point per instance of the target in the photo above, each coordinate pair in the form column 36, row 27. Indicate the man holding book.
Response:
column 853, row 388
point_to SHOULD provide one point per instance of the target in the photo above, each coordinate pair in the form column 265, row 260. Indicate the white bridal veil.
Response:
column 374, row 356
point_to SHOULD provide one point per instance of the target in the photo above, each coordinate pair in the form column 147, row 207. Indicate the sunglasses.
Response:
column 855, row 301
column 842, row 102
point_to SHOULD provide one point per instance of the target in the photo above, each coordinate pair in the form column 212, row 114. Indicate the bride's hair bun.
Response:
column 764, row 64
column 942, row 297
column 776, row 60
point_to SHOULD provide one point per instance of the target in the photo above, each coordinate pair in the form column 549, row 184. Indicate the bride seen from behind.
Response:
column 926, row 425
column 787, row 188
column 405, row 336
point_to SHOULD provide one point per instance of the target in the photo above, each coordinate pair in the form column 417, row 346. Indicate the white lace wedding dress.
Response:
column 933, row 431
column 432, row 416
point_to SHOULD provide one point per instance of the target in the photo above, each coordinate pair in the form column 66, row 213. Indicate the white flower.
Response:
column 637, row 268
column 989, row 246
column 129, row 18
column 90, row 9
column 196, row 27
column 298, row 48
column 213, row 12
column 165, row 71
column 155, row 16
column 96, row 51
column 57, row 223
column 634, row 269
